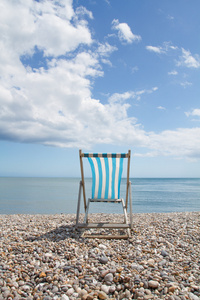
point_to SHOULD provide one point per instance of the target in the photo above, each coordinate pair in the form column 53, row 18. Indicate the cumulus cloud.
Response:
column 124, row 32
column 183, row 142
column 194, row 112
column 48, row 25
column 52, row 103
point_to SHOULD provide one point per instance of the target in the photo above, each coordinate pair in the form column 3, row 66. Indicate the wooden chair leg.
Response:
column 86, row 213
column 130, row 203
column 125, row 212
column 126, row 217
column 79, row 202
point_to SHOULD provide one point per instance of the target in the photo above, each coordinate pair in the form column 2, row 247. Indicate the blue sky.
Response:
column 104, row 76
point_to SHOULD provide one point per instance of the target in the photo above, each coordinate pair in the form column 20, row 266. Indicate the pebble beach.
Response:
column 45, row 257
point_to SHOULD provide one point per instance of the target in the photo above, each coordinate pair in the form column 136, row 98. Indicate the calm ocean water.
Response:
column 59, row 195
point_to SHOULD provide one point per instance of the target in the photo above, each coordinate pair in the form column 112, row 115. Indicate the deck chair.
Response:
column 106, row 178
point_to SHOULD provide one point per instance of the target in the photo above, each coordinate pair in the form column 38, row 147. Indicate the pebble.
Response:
column 104, row 273
column 45, row 257
column 70, row 292
column 164, row 253
column 153, row 284
column 193, row 296
column 64, row 297
column 146, row 297
column 102, row 295
column 108, row 277
column 103, row 259
column 112, row 289
column 105, row 288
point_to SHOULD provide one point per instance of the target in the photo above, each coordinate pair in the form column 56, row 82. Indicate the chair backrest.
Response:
column 107, row 171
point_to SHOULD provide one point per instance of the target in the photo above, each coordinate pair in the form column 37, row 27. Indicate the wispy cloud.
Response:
column 155, row 49
column 166, row 47
column 189, row 61
column 161, row 107
column 169, row 17
column 105, row 49
column 174, row 72
column 116, row 97
column 82, row 11
column 186, row 59
column 134, row 69
column 185, row 84
column 124, row 32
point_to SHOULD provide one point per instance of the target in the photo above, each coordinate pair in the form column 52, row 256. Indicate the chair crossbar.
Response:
column 104, row 225
column 106, row 200
column 117, row 155
column 108, row 237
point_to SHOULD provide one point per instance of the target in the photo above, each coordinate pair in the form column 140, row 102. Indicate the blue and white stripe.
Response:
column 106, row 177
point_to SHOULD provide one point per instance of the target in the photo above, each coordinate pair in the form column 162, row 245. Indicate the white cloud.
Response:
column 186, row 84
column 161, row 107
column 183, row 142
column 116, row 97
column 47, row 25
column 82, row 11
column 189, row 61
column 53, row 104
column 158, row 50
column 134, row 69
column 195, row 112
column 155, row 88
column 174, row 72
column 165, row 48
column 106, row 49
column 169, row 17
column 124, row 32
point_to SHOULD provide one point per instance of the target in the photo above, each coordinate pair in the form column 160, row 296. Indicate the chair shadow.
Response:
column 67, row 231
column 61, row 233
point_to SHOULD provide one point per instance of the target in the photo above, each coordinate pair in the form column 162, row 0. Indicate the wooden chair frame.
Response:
column 125, row 225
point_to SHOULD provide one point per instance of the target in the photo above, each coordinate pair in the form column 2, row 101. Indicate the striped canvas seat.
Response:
column 106, row 169
column 106, row 176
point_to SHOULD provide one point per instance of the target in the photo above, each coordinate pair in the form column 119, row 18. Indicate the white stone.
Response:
column 193, row 296
column 102, row 247
column 105, row 288
column 70, row 292
column 108, row 277
column 64, row 297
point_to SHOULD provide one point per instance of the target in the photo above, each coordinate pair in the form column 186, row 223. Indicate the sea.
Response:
column 59, row 195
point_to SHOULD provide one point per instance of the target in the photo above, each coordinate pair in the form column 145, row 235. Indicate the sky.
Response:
column 101, row 76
